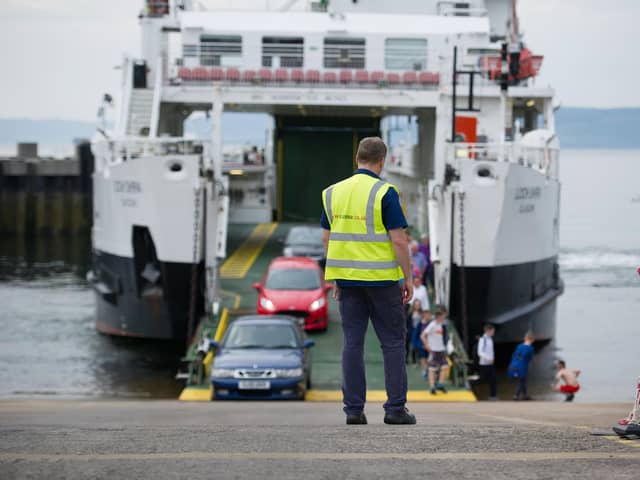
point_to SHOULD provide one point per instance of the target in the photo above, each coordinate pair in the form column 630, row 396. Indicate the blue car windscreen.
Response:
column 261, row 336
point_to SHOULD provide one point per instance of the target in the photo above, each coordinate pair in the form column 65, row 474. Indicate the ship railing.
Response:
column 543, row 159
column 481, row 80
column 458, row 357
column 235, row 159
column 127, row 149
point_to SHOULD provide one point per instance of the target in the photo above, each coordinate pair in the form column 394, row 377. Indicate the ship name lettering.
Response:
column 127, row 186
column 129, row 202
column 528, row 193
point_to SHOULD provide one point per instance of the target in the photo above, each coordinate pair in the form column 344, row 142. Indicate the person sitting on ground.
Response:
column 570, row 378
column 435, row 339
column 413, row 319
column 519, row 366
column 417, row 343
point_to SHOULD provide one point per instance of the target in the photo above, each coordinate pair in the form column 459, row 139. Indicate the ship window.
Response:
column 405, row 54
column 344, row 53
column 286, row 52
column 189, row 50
column 220, row 50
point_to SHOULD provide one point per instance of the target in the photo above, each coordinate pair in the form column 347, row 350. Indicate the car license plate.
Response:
column 254, row 384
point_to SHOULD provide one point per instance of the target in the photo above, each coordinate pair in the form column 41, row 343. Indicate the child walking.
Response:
column 435, row 338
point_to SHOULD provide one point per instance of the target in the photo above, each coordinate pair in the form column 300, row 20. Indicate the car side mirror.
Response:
column 328, row 287
column 213, row 345
column 308, row 344
column 257, row 286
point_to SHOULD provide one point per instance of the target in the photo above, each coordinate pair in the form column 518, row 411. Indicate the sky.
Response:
column 59, row 56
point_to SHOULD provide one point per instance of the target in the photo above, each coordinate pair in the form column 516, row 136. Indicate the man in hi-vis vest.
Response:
column 368, row 256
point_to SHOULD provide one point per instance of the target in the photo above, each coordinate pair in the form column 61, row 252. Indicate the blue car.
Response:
column 262, row 357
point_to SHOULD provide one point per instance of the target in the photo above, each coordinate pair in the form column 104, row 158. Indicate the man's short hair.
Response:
column 371, row 150
column 488, row 327
column 561, row 363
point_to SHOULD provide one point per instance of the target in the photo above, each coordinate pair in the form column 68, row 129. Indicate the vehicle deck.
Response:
column 251, row 248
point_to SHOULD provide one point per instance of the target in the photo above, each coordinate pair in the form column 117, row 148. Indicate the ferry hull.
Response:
column 515, row 298
column 161, row 312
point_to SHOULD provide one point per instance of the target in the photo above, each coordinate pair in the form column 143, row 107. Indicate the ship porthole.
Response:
column 175, row 169
column 484, row 174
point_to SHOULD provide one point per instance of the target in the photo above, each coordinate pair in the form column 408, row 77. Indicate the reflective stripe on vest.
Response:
column 368, row 264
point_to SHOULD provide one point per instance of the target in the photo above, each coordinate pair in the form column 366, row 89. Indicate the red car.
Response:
column 295, row 286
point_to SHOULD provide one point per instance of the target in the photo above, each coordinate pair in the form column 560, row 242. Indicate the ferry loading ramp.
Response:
column 253, row 248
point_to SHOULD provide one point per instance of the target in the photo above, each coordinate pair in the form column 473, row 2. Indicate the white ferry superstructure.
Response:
column 482, row 177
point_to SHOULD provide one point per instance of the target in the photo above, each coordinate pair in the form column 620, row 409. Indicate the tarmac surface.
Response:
column 171, row 439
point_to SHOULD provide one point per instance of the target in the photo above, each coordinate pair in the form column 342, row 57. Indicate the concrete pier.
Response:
column 296, row 440
column 45, row 196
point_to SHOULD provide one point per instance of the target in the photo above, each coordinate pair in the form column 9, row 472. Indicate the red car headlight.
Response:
column 267, row 304
column 317, row 304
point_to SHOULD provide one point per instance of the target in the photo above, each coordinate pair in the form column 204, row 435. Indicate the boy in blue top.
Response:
column 519, row 366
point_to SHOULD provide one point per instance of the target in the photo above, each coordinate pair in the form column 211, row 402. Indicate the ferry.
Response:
column 478, row 169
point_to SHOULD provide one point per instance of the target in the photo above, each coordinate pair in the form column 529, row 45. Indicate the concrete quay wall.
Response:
column 46, row 196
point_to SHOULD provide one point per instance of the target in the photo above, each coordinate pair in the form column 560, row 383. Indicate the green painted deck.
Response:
column 240, row 298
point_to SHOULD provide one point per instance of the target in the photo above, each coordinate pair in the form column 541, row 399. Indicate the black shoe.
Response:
column 357, row 419
column 433, row 390
column 402, row 417
column 441, row 387
column 569, row 397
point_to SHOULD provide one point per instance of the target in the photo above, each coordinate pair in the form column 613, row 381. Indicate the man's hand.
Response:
column 336, row 293
column 407, row 291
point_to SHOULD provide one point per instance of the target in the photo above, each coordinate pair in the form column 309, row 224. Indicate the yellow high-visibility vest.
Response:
column 359, row 244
